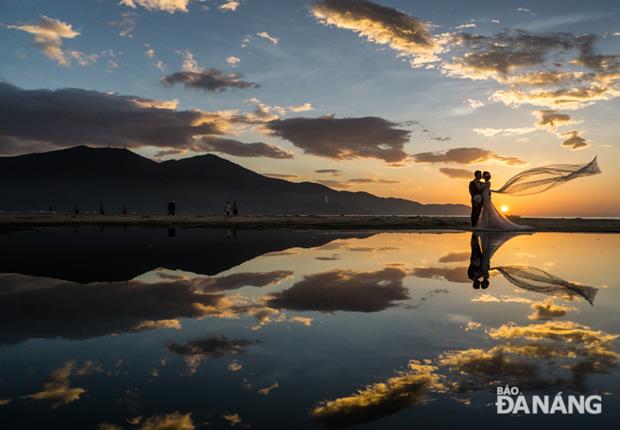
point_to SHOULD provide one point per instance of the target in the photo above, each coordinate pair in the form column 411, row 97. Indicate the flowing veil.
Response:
column 539, row 179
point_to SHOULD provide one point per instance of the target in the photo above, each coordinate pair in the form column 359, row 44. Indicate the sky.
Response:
column 397, row 98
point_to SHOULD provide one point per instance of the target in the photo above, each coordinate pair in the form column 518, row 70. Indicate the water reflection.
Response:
column 298, row 330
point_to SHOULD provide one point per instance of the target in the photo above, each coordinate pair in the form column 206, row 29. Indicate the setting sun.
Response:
column 504, row 208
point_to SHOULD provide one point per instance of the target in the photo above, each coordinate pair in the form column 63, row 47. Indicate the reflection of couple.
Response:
column 485, row 245
column 485, row 216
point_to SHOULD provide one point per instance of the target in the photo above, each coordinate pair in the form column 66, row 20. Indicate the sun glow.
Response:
column 504, row 208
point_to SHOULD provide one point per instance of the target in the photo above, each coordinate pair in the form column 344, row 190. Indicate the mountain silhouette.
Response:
column 116, row 177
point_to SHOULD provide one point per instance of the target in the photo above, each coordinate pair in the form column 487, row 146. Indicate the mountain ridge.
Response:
column 117, row 177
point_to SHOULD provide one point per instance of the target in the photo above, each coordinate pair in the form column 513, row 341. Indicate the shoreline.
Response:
column 309, row 222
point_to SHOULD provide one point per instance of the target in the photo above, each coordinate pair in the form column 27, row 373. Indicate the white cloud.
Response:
column 493, row 132
column 48, row 36
column 233, row 61
column 229, row 6
column 269, row 37
column 474, row 104
column 170, row 6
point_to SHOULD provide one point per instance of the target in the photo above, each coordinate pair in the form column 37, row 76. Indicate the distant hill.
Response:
column 117, row 177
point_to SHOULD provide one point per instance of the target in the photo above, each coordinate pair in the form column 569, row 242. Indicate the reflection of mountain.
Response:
column 42, row 307
column 120, row 177
column 116, row 254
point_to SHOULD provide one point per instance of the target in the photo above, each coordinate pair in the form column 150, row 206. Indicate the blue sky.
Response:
column 338, row 72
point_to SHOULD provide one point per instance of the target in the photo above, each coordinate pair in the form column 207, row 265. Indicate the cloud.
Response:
column 333, row 172
column 149, row 53
column 548, row 310
column 95, row 118
column 170, row 6
column 381, row 399
column 551, row 69
column 265, row 391
column 209, row 80
column 344, row 138
column 344, row 290
column 57, row 389
column 574, row 140
column 551, row 119
column 493, row 132
column 456, row 173
column 172, row 421
column 233, row 61
column 301, row 108
column 288, row 177
column 240, row 149
column 466, row 156
column 474, row 104
column 48, row 36
column 126, row 24
column 274, row 40
column 381, row 25
column 229, row 6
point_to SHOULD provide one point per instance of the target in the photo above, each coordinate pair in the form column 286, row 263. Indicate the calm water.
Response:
column 182, row 329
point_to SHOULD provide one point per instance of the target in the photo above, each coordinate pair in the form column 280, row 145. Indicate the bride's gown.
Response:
column 491, row 218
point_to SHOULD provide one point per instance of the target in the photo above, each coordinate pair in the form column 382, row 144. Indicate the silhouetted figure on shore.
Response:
column 101, row 211
column 76, row 209
column 475, row 191
column 227, row 209
column 172, row 207
column 235, row 209
column 124, row 210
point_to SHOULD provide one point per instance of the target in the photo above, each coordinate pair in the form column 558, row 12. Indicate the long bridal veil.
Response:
column 539, row 179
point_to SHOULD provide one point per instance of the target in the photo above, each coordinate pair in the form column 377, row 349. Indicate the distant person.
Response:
column 76, row 209
column 172, row 207
column 227, row 209
column 101, row 211
column 124, row 211
column 235, row 209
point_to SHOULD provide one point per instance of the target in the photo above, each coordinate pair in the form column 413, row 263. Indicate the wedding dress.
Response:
column 492, row 219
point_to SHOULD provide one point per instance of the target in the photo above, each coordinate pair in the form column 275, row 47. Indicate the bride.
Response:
column 528, row 182
column 491, row 218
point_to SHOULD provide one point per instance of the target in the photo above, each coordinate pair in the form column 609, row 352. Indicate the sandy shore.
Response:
column 12, row 221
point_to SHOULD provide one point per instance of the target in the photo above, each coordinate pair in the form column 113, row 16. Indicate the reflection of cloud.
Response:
column 269, row 37
column 548, row 310
column 57, row 389
column 196, row 351
column 265, row 391
column 490, row 298
column 229, row 6
column 450, row 274
column 173, row 421
column 381, row 399
column 382, row 25
column 454, row 257
column 344, row 290
column 466, row 156
column 344, row 138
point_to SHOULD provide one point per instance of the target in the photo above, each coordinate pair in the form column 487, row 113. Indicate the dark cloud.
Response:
column 441, row 138
column 372, row 181
column 69, row 116
column 450, row 274
column 344, row 138
column 551, row 119
column 453, row 257
column 456, row 173
column 466, row 156
column 230, row 282
column 240, row 149
column 574, row 140
column 334, row 172
column 344, row 290
column 212, row 347
column 382, row 25
column 210, row 80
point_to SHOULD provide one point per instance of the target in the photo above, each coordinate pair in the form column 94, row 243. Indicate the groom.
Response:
column 475, row 191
